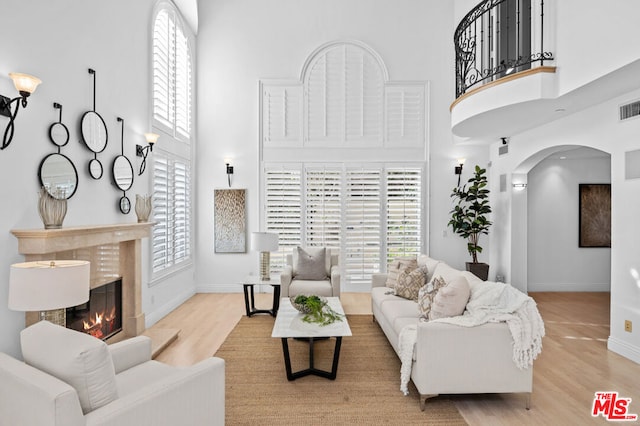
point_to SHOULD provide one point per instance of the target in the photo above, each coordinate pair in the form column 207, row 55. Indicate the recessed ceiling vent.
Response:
column 629, row 110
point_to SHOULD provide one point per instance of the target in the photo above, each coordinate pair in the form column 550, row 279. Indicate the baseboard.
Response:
column 151, row 318
column 625, row 349
column 568, row 287
column 217, row 288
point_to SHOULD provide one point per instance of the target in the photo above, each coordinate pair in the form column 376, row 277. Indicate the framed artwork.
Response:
column 230, row 221
column 595, row 215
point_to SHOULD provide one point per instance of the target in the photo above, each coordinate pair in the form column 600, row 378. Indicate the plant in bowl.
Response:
column 315, row 308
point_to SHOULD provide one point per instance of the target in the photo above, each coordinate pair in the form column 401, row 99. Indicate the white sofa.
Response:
column 451, row 359
column 148, row 392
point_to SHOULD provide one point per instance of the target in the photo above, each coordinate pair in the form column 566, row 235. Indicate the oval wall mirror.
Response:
column 122, row 173
column 59, row 134
column 58, row 175
column 95, row 168
column 125, row 204
column 94, row 131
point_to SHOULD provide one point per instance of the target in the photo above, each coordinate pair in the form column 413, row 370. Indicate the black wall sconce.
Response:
column 25, row 85
column 227, row 162
column 143, row 151
column 458, row 169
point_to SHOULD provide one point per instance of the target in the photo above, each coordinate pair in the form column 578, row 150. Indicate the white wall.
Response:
column 58, row 41
column 240, row 43
column 555, row 262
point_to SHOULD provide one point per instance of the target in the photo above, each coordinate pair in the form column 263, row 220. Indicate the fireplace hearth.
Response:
column 101, row 316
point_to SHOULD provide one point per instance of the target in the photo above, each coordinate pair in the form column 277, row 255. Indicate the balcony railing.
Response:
column 498, row 38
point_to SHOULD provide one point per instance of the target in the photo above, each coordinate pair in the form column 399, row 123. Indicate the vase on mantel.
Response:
column 143, row 207
column 52, row 210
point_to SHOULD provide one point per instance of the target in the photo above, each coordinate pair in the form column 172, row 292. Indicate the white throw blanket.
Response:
column 489, row 302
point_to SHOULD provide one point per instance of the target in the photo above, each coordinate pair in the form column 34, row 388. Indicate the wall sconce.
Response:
column 227, row 162
column 519, row 186
column 458, row 169
column 144, row 151
column 25, row 85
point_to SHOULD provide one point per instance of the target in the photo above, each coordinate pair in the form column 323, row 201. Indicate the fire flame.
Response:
column 94, row 326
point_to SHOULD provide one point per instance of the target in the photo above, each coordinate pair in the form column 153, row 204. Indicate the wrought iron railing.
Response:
column 496, row 39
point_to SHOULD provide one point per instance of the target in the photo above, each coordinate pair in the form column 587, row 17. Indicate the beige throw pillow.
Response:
column 410, row 282
column 396, row 267
column 451, row 300
column 426, row 295
column 311, row 263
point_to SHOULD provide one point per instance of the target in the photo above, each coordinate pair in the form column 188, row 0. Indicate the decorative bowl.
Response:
column 301, row 304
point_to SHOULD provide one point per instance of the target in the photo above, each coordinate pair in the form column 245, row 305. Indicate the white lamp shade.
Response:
column 24, row 82
column 151, row 137
column 264, row 241
column 46, row 285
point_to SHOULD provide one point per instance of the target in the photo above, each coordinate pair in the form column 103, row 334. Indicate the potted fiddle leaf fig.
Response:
column 469, row 217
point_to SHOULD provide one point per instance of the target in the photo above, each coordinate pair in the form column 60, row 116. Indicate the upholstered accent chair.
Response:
column 71, row 379
column 311, row 270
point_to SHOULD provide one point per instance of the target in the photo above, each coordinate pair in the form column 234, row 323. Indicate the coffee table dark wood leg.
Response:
column 311, row 370
column 276, row 300
column 246, row 298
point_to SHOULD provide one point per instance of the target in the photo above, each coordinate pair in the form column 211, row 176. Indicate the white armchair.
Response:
column 143, row 391
column 294, row 282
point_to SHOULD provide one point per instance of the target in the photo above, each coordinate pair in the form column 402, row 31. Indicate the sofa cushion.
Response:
column 78, row 359
column 431, row 264
column 410, row 282
column 428, row 293
column 451, row 300
column 310, row 263
column 397, row 266
column 395, row 310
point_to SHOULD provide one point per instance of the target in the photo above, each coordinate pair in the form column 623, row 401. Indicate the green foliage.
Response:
column 319, row 311
column 468, row 217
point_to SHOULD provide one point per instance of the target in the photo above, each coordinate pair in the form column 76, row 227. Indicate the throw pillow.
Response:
column 427, row 293
column 76, row 358
column 410, row 282
column 311, row 263
column 397, row 266
column 451, row 300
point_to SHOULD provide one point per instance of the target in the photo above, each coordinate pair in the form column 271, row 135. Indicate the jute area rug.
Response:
column 365, row 392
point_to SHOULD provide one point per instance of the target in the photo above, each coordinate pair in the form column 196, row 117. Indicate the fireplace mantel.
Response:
column 121, row 241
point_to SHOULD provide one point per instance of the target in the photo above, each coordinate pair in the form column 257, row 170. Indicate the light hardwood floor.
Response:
column 574, row 363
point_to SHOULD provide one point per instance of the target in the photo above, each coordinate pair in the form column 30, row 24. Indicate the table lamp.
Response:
column 49, row 286
column 264, row 242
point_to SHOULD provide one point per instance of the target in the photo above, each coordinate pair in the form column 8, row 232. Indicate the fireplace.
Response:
column 101, row 316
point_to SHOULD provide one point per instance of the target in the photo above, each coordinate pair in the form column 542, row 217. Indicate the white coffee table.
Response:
column 289, row 325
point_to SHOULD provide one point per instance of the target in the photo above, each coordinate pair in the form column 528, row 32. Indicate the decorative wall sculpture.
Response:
column 230, row 221
column 595, row 215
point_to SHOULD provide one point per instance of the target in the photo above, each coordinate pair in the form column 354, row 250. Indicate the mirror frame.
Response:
column 84, row 138
column 124, row 204
column 113, row 173
column 75, row 171
column 52, row 139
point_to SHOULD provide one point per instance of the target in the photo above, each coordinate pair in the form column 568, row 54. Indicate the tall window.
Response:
column 172, row 65
column 371, row 213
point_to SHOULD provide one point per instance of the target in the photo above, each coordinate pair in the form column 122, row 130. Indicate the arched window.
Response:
column 172, row 75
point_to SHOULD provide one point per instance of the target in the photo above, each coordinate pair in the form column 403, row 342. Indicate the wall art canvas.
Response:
column 230, row 221
column 595, row 215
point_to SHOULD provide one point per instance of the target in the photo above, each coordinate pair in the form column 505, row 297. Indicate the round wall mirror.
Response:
column 58, row 175
column 122, row 173
column 125, row 205
column 94, row 131
column 59, row 134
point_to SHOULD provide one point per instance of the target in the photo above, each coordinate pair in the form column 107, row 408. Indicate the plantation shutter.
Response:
column 323, row 209
column 405, row 115
column 345, row 89
column 404, row 211
column 171, row 236
column 283, row 210
column 281, row 114
column 172, row 76
column 163, row 70
column 362, row 219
